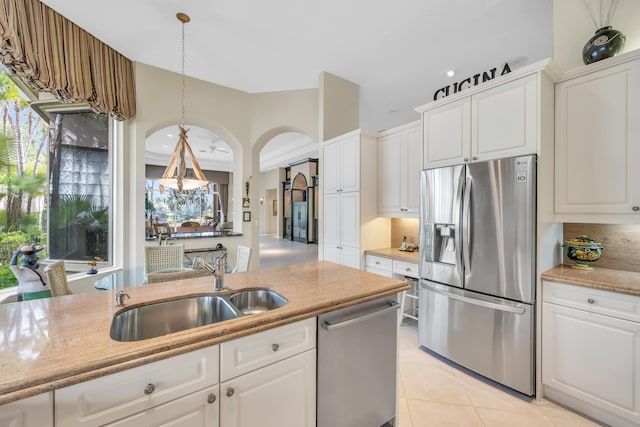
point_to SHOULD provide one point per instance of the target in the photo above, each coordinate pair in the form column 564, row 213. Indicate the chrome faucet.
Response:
column 218, row 271
column 120, row 298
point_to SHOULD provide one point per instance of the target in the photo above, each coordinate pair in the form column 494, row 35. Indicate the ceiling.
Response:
column 398, row 52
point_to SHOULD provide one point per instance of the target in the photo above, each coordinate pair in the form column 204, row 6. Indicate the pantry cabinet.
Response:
column 597, row 150
column 36, row 411
column 497, row 119
column 349, row 204
column 399, row 166
column 590, row 347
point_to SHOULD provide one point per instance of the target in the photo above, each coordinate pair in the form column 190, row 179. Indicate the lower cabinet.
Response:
column 590, row 348
column 36, row 411
column 281, row 394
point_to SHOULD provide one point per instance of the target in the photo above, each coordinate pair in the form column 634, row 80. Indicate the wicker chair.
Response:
column 57, row 279
column 178, row 275
column 163, row 257
column 242, row 259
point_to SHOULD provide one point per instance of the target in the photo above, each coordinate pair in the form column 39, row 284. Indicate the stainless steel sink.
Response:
column 162, row 318
column 253, row 301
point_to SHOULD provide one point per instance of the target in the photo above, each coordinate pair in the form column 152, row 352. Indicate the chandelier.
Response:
column 174, row 175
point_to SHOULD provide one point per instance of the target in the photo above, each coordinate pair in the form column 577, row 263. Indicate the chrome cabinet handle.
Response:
column 211, row 398
column 591, row 301
column 230, row 392
column 150, row 388
column 407, row 269
column 474, row 158
column 635, row 208
column 275, row 347
column 377, row 262
column 465, row 160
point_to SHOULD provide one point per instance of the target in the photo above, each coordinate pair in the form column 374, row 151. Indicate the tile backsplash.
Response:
column 621, row 244
column 401, row 227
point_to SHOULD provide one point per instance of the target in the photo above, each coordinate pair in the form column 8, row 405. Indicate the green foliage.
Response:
column 7, row 279
column 12, row 240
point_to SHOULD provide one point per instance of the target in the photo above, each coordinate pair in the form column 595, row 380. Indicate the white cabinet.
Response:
column 497, row 122
column 399, row 166
column 117, row 396
column 379, row 265
column 36, row 411
column 590, row 348
column 269, row 379
column 349, row 205
column 597, row 149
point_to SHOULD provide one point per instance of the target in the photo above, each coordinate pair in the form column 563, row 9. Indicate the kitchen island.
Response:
column 53, row 343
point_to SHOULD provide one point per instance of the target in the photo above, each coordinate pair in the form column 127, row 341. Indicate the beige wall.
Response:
column 245, row 121
column 339, row 106
column 573, row 27
column 269, row 185
column 621, row 244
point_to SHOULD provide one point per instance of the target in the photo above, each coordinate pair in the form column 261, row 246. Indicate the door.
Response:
column 331, row 168
column 36, row 411
column 332, row 224
column 491, row 336
column 447, row 134
column 440, row 232
column 499, row 208
column 281, row 394
column 350, row 219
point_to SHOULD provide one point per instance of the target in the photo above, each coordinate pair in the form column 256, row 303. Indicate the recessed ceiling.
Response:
column 397, row 51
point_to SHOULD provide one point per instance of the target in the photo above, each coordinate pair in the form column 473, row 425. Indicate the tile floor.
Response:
column 433, row 393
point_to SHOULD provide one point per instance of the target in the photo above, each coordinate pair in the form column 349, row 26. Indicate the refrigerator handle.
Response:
column 481, row 303
column 459, row 219
column 466, row 225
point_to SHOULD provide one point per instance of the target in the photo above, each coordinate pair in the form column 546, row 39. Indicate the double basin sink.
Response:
column 166, row 317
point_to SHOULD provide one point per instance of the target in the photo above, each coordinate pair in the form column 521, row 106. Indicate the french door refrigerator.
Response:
column 477, row 267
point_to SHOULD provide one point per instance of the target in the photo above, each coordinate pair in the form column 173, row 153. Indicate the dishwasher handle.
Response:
column 392, row 305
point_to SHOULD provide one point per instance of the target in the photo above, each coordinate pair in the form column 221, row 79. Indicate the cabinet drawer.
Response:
column 381, row 272
column 32, row 411
column 248, row 353
column 112, row 397
column 378, row 262
column 406, row 268
column 613, row 304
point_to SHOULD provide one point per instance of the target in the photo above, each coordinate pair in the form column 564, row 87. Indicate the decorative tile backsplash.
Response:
column 621, row 244
column 401, row 227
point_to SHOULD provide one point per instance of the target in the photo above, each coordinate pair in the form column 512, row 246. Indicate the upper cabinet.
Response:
column 342, row 165
column 597, row 178
column 399, row 165
column 497, row 119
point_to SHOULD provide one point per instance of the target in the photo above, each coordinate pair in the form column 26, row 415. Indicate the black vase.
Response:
column 606, row 43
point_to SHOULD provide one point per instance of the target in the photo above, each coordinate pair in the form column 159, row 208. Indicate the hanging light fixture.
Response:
column 174, row 175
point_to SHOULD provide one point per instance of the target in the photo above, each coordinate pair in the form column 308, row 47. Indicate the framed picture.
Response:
column 245, row 202
column 246, row 216
column 275, row 207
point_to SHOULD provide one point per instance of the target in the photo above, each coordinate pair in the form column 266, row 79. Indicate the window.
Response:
column 79, row 220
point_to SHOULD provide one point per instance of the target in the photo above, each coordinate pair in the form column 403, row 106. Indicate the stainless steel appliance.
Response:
column 357, row 365
column 477, row 267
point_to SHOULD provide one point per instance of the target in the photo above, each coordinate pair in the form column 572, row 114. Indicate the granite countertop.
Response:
column 395, row 254
column 55, row 342
column 626, row 282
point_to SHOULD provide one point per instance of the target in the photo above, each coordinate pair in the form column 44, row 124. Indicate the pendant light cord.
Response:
column 183, row 84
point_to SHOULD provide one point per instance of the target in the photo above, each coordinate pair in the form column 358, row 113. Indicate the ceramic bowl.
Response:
column 583, row 251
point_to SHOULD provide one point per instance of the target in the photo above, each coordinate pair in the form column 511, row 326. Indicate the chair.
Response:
column 57, row 279
column 163, row 257
column 242, row 259
column 179, row 275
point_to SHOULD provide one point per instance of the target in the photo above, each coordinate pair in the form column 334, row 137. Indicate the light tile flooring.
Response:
column 433, row 393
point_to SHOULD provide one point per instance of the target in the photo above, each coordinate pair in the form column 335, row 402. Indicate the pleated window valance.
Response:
column 52, row 54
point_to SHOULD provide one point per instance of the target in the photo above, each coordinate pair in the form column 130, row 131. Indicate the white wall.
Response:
column 268, row 181
column 573, row 27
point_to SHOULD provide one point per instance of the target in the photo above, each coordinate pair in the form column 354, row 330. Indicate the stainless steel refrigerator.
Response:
column 477, row 267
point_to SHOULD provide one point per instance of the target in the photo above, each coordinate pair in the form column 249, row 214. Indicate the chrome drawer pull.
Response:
column 230, row 392
column 211, row 398
column 275, row 347
column 591, row 301
column 150, row 388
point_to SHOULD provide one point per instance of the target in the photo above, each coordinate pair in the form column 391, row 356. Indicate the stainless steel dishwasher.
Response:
column 357, row 355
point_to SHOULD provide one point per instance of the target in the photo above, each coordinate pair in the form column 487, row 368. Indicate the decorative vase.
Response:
column 583, row 251
column 606, row 43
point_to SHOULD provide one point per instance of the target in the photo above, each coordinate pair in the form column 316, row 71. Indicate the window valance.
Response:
column 52, row 54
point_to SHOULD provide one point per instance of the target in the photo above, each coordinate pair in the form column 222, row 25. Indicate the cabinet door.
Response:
column 597, row 135
column 199, row 409
column 331, row 168
column 390, row 172
column 282, row 394
column 504, row 121
column 447, row 134
column 350, row 164
column 350, row 219
column 412, row 167
column 331, row 253
column 593, row 358
column 332, row 220
column 36, row 411
column 350, row 256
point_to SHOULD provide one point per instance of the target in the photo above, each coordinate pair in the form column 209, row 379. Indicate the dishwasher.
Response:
column 357, row 365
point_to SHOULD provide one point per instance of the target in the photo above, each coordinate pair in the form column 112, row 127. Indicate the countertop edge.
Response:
column 198, row 340
column 606, row 279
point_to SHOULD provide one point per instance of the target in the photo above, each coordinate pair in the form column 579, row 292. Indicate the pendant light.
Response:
column 174, row 175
